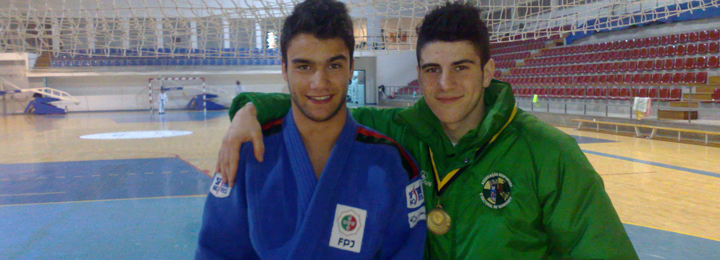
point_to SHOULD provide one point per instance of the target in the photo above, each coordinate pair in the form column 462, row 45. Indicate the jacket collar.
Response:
column 499, row 111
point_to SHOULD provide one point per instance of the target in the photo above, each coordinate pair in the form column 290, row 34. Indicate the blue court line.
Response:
column 53, row 182
column 156, row 228
column 590, row 140
column 711, row 174
column 652, row 243
column 135, row 117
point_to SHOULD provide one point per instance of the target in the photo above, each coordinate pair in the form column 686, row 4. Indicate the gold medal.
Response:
column 438, row 221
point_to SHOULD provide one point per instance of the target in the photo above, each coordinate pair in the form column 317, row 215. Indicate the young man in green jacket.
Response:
column 499, row 183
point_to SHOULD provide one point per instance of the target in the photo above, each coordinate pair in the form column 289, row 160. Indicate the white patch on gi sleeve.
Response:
column 348, row 228
column 414, row 194
column 415, row 216
column 217, row 188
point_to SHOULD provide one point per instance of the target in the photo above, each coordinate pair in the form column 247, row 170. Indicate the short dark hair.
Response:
column 454, row 22
column 324, row 19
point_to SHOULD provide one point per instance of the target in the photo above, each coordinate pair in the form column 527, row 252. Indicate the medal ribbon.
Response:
column 452, row 175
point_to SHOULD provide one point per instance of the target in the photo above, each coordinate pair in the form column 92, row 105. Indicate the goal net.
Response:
column 249, row 30
column 180, row 92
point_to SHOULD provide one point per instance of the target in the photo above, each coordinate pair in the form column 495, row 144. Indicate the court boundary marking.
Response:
column 666, row 230
column 668, row 166
column 85, row 201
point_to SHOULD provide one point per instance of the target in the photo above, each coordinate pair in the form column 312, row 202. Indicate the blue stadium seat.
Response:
column 94, row 63
column 242, row 62
column 205, row 62
column 265, row 62
column 102, row 62
column 173, row 62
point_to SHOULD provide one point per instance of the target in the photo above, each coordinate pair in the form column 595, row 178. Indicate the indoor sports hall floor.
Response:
column 63, row 197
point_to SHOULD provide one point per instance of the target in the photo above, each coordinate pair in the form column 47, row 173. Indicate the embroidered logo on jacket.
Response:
column 497, row 189
column 348, row 228
column 414, row 194
column 426, row 178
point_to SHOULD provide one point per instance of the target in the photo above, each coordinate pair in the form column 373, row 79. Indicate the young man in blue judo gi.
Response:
column 327, row 188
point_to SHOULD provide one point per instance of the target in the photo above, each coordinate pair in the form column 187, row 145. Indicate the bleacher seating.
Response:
column 167, row 57
column 655, row 67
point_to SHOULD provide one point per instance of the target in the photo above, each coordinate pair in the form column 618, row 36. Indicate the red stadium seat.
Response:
column 702, row 48
column 713, row 62
column 701, row 63
column 646, row 79
column 662, row 51
column 659, row 65
column 653, row 93
column 691, row 49
column 652, row 52
column 614, row 94
column 716, row 95
column 602, row 80
column 714, row 35
column 637, row 79
column 623, row 67
column 681, row 50
column 643, row 53
column 656, row 78
column 683, row 38
column 713, row 47
column 643, row 92
column 675, row 94
column 701, row 78
column 689, row 78
column 703, row 36
column 632, row 66
column 669, row 64
column 690, row 63
column 649, row 65
column 647, row 42
column 581, row 93
column 679, row 63
column 600, row 93
column 674, row 39
column 664, row 40
column 607, row 67
column 624, row 94
column 634, row 92
column 628, row 79
column 618, row 79
column 616, row 67
column 664, row 94
column 666, row 78
column 677, row 78
column 655, row 41
column 635, row 54
column 692, row 37
column 671, row 50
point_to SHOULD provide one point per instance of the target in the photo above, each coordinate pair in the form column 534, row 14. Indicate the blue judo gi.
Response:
column 367, row 204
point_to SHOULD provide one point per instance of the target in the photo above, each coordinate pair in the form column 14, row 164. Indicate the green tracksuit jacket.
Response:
column 528, row 191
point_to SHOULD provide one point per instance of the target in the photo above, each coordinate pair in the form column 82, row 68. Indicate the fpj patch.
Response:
column 414, row 194
column 219, row 189
column 348, row 228
column 497, row 190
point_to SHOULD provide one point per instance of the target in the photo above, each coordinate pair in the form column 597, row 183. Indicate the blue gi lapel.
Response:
column 302, row 167
column 300, row 162
column 320, row 211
